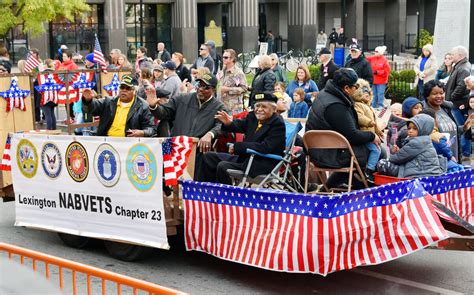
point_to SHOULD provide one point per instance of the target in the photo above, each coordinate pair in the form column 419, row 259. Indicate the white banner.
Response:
column 101, row 187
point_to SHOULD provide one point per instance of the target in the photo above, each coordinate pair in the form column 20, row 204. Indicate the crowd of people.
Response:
column 163, row 97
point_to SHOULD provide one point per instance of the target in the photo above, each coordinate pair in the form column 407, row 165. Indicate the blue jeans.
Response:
column 379, row 91
column 374, row 155
column 465, row 143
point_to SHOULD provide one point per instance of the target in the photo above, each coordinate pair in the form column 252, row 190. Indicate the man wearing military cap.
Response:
column 264, row 131
column 124, row 115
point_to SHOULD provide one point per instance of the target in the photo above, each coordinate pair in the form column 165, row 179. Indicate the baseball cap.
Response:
column 355, row 47
column 324, row 51
column 128, row 80
column 265, row 96
column 209, row 79
column 170, row 65
column 160, row 92
column 345, row 77
column 158, row 68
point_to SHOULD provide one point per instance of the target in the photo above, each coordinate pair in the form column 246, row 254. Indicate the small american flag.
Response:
column 176, row 151
column 99, row 56
column 5, row 165
column 309, row 233
column 31, row 63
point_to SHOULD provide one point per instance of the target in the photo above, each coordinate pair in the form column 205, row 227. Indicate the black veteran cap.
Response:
column 128, row 80
column 209, row 79
column 324, row 51
column 266, row 96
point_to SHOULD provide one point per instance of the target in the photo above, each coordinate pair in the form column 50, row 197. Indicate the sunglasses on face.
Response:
column 226, row 57
column 124, row 87
column 204, row 86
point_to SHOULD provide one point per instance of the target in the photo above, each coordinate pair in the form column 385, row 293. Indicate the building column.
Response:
column 354, row 19
column 114, row 24
column 395, row 23
column 243, row 25
column 184, row 28
column 302, row 24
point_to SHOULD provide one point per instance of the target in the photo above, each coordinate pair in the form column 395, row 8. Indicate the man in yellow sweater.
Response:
column 124, row 115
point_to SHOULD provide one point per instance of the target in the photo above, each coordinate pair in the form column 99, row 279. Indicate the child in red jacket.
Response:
column 381, row 71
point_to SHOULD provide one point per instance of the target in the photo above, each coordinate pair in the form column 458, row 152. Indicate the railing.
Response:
column 62, row 265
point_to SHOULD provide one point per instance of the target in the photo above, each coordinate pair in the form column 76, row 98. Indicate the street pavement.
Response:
column 425, row 272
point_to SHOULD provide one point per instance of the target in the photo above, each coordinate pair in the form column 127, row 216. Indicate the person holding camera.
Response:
column 124, row 115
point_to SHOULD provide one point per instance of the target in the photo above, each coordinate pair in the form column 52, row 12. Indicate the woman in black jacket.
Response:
column 264, row 80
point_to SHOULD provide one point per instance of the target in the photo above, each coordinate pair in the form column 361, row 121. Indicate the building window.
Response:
column 79, row 35
column 147, row 25
column 16, row 43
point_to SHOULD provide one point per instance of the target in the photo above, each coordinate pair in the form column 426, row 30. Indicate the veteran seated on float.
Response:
column 264, row 131
column 124, row 115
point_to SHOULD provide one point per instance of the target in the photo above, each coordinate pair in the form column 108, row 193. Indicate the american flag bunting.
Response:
column 176, row 151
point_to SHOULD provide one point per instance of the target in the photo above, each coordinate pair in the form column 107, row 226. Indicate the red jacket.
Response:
column 68, row 66
column 380, row 69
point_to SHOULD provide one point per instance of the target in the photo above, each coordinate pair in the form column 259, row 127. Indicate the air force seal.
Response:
column 77, row 161
column 141, row 167
column 107, row 165
column 51, row 160
column 27, row 158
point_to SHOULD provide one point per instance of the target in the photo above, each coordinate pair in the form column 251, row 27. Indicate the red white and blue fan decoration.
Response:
column 83, row 82
column 112, row 88
column 49, row 88
column 15, row 96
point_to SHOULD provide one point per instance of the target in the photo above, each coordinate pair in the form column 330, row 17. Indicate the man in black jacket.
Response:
column 359, row 63
column 334, row 110
column 124, row 115
column 327, row 69
column 264, row 132
column 332, row 40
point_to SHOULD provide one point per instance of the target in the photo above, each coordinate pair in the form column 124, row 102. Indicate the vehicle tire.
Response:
column 127, row 252
column 74, row 241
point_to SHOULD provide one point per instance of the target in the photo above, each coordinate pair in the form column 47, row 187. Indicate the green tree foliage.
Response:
column 424, row 38
column 32, row 14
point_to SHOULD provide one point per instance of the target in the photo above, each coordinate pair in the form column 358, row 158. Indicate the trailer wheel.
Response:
column 127, row 252
column 74, row 241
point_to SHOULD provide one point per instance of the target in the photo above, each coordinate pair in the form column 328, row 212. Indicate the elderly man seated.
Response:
column 264, row 131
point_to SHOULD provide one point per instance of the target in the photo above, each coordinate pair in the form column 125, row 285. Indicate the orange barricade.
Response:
column 89, row 271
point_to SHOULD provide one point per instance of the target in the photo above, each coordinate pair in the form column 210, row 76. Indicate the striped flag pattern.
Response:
column 176, row 151
column 31, row 63
column 309, row 233
column 5, row 165
column 99, row 56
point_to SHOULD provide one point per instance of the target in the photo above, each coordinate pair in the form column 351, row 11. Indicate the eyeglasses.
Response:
column 125, row 87
column 204, row 86
column 200, row 49
column 226, row 57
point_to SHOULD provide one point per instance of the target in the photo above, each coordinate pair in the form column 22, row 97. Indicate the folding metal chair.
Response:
column 282, row 175
column 317, row 140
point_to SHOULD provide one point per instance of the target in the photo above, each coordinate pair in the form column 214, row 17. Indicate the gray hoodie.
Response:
column 418, row 158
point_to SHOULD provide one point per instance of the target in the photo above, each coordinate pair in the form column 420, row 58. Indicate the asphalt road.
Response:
column 425, row 272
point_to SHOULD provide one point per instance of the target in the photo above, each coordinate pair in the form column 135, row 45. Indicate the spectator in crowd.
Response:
column 298, row 108
column 233, row 83
column 395, row 123
column 182, row 71
column 425, row 68
column 264, row 132
column 68, row 63
column 334, row 110
column 141, row 59
column 341, row 39
column 359, row 64
column 264, row 79
column 172, row 82
column 280, row 73
column 192, row 114
column 303, row 80
column 367, row 121
column 332, row 40
column 271, row 41
column 381, row 71
column 442, row 74
column 327, row 69
column 204, row 59
column 124, row 115
column 158, row 76
column 284, row 100
column 433, row 92
column 162, row 54
column 411, row 107
column 417, row 157
column 123, row 63
column 456, row 90
column 322, row 38
column 50, row 102
column 469, row 124
column 114, row 58
column 215, row 56
column 146, row 79
column 21, row 66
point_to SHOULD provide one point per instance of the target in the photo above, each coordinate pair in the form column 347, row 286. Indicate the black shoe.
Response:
column 369, row 175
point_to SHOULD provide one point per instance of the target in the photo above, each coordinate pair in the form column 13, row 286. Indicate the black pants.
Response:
column 48, row 111
column 214, row 167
